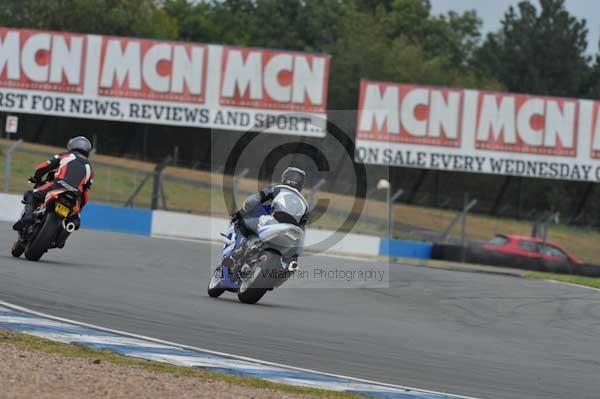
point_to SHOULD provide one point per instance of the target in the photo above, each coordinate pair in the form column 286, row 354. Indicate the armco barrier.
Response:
column 117, row 218
column 172, row 224
column 94, row 216
column 589, row 270
column 10, row 207
column 476, row 254
column 341, row 243
column 179, row 225
column 405, row 249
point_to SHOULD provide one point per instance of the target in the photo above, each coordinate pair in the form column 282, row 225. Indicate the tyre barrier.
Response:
column 476, row 254
column 589, row 270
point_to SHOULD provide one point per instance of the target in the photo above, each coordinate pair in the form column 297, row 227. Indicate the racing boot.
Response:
column 255, row 249
column 27, row 217
column 239, row 252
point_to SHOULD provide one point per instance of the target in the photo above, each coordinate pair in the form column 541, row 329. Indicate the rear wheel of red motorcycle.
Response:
column 17, row 249
column 45, row 237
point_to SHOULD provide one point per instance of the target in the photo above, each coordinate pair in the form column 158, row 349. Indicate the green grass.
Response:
column 566, row 278
column 110, row 184
column 29, row 342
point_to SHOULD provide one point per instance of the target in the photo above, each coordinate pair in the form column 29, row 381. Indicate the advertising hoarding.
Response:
column 163, row 82
column 478, row 131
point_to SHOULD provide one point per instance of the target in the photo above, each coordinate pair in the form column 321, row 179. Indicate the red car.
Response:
column 529, row 247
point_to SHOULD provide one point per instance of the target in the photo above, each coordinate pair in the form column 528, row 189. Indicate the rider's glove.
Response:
column 32, row 180
column 236, row 218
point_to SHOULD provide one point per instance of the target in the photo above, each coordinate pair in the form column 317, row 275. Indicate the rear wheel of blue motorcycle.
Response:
column 214, row 285
column 246, row 293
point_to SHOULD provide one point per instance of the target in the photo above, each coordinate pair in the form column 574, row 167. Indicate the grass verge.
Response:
column 566, row 278
column 33, row 343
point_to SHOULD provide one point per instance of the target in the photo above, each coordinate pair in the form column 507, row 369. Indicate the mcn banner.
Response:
column 172, row 83
column 478, row 131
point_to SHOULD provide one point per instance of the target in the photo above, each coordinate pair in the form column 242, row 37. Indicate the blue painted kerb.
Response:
column 405, row 249
column 117, row 218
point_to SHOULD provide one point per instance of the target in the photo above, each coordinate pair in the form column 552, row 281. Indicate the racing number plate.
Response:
column 61, row 210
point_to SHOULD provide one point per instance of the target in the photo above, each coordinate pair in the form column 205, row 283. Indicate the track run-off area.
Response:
column 473, row 334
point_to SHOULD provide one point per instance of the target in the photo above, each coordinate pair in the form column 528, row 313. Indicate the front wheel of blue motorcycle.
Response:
column 214, row 285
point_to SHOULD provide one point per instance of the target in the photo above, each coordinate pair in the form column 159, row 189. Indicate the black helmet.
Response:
column 81, row 145
column 293, row 177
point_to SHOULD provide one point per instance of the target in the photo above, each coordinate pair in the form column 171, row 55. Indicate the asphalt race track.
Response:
column 465, row 333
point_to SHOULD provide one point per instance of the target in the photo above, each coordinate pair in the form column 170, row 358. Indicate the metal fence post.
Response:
column 157, row 182
column 463, row 223
column 463, row 227
column 310, row 197
column 8, row 163
column 384, row 184
column 391, row 202
column 156, row 174
column 388, row 211
column 235, row 182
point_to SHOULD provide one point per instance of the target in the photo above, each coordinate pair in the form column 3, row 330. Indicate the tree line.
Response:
column 537, row 50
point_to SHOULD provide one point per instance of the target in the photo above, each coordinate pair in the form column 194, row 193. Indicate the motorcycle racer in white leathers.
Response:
column 288, row 205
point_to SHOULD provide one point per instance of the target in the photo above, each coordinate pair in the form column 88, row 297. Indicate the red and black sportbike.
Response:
column 53, row 223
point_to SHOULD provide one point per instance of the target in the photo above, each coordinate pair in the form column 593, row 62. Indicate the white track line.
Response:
column 236, row 357
column 572, row 284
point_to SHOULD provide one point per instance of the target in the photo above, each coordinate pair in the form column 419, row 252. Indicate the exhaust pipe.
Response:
column 69, row 227
column 293, row 266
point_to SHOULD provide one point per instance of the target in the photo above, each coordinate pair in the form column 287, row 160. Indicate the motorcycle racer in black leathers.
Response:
column 70, row 169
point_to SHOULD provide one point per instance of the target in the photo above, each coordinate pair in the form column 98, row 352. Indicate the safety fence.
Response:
column 129, row 183
column 168, row 224
column 161, row 186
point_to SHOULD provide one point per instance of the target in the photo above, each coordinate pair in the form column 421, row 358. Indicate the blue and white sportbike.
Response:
column 266, row 261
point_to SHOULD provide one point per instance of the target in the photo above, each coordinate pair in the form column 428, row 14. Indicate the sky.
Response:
column 492, row 11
